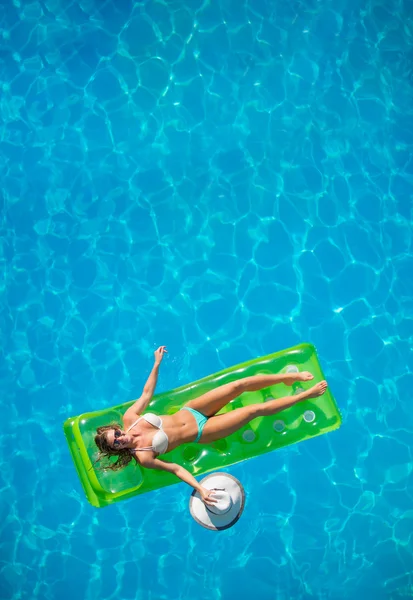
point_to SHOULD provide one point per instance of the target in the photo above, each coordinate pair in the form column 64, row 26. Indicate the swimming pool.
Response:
column 228, row 179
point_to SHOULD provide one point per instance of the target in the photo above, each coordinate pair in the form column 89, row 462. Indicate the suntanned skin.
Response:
column 181, row 427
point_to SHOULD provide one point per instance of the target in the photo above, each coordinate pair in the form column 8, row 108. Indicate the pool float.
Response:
column 300, row 422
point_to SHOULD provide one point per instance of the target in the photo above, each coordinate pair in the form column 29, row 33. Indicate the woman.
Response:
column 145, row 437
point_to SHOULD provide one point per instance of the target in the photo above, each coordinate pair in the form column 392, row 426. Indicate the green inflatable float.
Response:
column 300, row 422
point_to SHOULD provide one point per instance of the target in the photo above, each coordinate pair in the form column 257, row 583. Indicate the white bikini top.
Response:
column 160, row 439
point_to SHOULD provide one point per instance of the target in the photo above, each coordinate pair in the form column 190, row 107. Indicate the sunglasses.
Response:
column 117, row 434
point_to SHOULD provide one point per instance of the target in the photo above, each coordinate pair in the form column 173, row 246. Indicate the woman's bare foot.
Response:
column 305, row 376
column 317, row 390
column 291, row 378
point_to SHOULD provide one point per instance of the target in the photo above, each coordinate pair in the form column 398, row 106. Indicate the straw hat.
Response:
column 224, row 513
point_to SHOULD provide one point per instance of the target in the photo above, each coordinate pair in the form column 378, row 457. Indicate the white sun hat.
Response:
column 230, row 495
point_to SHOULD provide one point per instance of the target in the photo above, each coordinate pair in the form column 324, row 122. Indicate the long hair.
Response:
column 106, row 451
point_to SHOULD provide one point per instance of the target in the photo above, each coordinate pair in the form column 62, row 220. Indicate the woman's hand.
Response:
column 159, row 354
column 207, row 496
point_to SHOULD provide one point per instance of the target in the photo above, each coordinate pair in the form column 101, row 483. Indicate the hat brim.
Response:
column 213, row 521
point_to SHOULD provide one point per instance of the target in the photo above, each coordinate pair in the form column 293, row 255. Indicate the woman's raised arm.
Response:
column 141, row 403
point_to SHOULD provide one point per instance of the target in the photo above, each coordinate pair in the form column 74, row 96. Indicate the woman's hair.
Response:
column 106, row 450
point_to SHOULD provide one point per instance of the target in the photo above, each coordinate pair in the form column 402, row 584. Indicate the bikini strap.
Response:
column 133, row 424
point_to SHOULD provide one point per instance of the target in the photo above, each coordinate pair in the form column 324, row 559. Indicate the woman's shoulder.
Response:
column 129, row 418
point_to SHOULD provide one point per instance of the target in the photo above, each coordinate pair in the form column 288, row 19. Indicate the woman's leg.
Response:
column 221, row 426
column 210, row 403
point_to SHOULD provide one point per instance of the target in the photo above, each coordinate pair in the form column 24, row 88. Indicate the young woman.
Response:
column 145, row 437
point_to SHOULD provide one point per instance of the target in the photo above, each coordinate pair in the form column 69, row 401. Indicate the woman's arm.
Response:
column 183, row 474
column 148, row 389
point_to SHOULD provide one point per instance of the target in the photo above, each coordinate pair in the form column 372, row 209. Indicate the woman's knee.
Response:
column 253, row 411
column 236, row 388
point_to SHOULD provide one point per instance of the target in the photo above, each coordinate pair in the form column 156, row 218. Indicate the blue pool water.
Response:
column 228, row 178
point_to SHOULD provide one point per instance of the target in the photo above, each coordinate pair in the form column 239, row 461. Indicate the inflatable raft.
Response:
column 300, row 422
